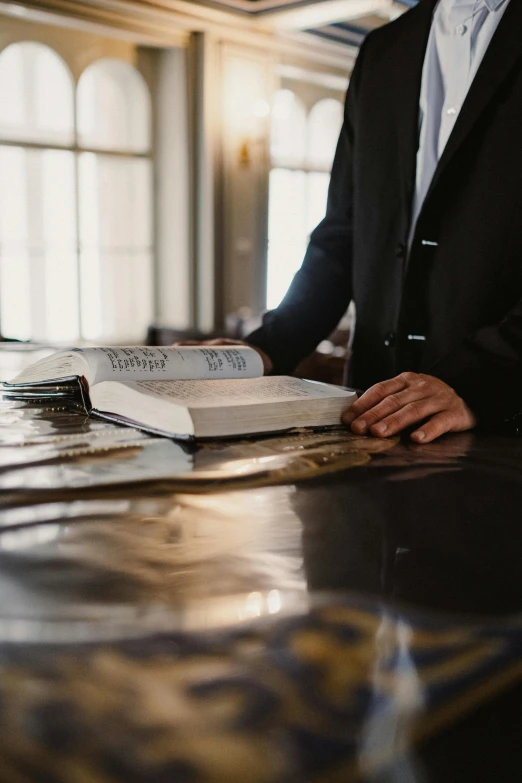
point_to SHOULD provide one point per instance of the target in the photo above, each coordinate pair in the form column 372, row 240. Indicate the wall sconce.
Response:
column 246, row 86
column 247, row 126
column 254, row 133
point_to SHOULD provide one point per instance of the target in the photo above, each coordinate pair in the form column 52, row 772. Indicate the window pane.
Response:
column 36, row 95
column 116, row 247
column 61, row 296
column 287, row 234
column 38, row 266
column 15, row 296
column 317, row 194
column 113, row 108
column 115, row 202
column 324, row 126
column 14, row 218
column 58, row 199
column 117, row 295
column 288, row 131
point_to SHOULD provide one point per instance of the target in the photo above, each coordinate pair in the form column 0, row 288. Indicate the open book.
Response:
column 186, row 392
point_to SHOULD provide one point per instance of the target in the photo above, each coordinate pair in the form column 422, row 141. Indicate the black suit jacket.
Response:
column 461, row 286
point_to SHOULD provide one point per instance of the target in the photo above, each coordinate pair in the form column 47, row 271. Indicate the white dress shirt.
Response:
column 460, row 34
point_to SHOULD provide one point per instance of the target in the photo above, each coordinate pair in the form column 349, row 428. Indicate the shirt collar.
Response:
column 491, row 5
column 494, row 5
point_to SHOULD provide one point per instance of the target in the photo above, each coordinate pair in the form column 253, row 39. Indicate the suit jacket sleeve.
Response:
column 321, row 290
column 486, row 371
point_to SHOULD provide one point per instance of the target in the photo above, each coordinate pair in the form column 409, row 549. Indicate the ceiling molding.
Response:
column 167, row 23
column 331, row 19
column 62, row 15
column 326, row 12
column 307, row 29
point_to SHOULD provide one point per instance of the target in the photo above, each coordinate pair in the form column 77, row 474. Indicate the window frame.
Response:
column 309, row 94
column 81, row 51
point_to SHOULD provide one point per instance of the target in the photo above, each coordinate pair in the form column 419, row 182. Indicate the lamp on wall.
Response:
column 253, row 136
column 246, row 111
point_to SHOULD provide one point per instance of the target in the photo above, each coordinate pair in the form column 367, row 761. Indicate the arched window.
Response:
column 115, row 186
column 36, row 95
column 288, row 129
column 38, row 265
column 302, row 150
column 324, row 125
column 114, row 108
column 51, row 173
column 286, row 205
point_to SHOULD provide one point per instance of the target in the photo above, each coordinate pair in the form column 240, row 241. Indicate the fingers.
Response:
column 409, row 414
column 377, row 393
column 411, row 399
column 401, row 402
column 445, row 421
column 412, row 384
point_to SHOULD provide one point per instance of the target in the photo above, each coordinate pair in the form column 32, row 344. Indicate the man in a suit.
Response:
column 423, row 227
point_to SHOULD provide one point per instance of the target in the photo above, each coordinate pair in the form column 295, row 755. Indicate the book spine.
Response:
column 84, row 393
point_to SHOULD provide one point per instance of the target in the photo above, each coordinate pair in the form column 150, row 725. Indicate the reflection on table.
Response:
column 308, row 607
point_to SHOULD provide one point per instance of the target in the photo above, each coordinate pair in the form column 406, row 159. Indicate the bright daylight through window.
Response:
column 302, row 149
column 76, row 205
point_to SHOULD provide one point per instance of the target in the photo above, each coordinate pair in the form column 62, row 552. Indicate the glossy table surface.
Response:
column 302, row 608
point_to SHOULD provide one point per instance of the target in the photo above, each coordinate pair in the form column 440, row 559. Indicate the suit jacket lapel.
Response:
column 503, row 53
column 415, row 30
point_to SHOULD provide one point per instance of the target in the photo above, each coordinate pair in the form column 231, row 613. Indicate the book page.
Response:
column 209, row 394
column 140, row 363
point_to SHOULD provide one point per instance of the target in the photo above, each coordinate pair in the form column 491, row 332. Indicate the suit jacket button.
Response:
column 389, row 340
column 400, row 250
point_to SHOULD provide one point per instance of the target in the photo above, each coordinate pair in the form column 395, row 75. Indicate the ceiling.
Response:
column 341, row 24
column 343, row 21
column 353, row 32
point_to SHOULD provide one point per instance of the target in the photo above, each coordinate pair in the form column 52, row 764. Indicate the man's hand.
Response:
column 410, row 398
column 267, row 362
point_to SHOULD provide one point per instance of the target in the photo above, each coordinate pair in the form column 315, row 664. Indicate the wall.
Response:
column 211, row 75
